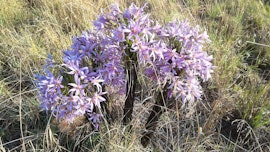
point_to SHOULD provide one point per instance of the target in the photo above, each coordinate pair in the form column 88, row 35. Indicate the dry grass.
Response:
column 235, row 112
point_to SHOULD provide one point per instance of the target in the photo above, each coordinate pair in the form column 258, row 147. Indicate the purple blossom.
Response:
column 101, row 22
column 77, row 88
column 96, row 82
column 72, row 57
column 119, row 34
column 95, row 118
column 97, row 99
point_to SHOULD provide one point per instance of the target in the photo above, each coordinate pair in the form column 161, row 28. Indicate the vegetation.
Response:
column 234, row 114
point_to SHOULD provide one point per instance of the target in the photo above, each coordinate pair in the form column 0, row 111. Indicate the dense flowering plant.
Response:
column 172, row 55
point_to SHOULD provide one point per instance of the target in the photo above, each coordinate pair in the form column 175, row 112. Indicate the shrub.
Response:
column 110, row 55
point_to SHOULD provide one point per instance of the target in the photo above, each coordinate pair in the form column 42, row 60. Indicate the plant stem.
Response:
column 152, row 120
column 130, row 92
column 105, row 109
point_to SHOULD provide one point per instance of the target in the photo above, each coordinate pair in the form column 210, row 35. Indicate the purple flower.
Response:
column 96, row 82
column 127, row 14
column 97, row 99
column 157, row 51
column 95, row 118
column 119, row 34
column 77, row 88
column 100, row 23
column 72, row 57
column 79, row 73
column 171, row 55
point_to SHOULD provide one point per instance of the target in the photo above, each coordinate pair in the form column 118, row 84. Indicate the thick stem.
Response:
column 105, row 109
column 130, row 92
column 152, row 120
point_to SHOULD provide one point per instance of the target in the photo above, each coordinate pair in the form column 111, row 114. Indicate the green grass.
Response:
column 240, row 34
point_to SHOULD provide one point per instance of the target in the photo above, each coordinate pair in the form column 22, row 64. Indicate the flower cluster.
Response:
column 182, row 62
column 171, row 54
column 77, row 91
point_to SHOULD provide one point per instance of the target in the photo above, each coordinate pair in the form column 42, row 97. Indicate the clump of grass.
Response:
column 13, row 13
